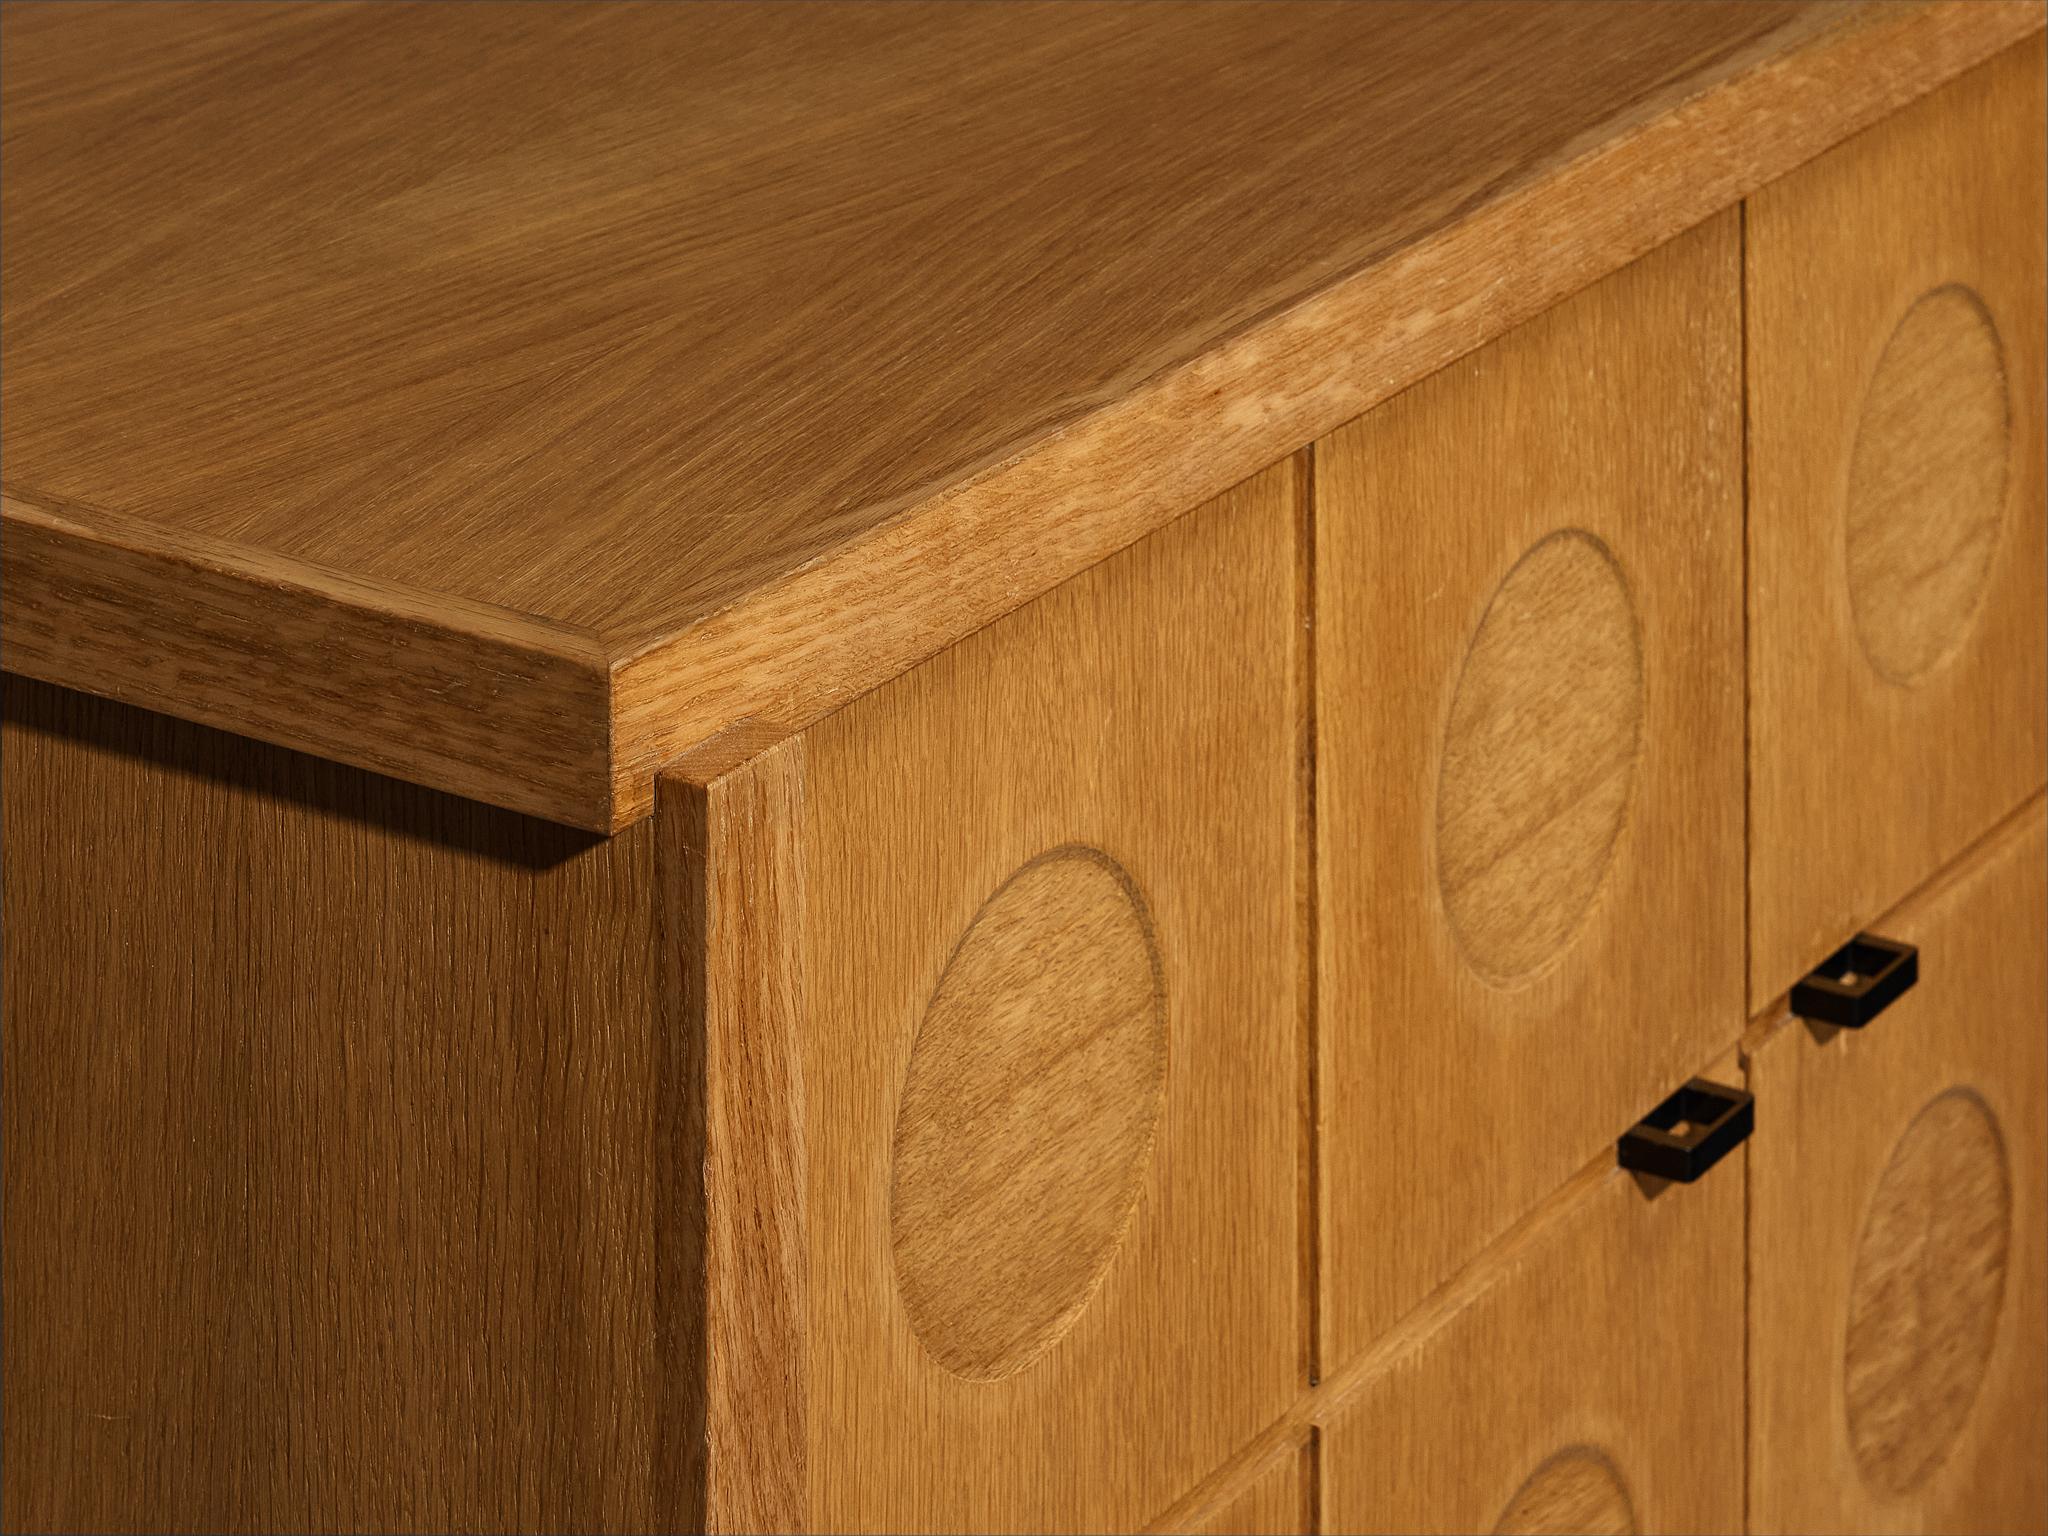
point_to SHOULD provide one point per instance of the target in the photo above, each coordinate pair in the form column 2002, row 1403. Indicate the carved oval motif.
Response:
column 1027, row 1118
column 1539, row 756
column 1925, row 1293
column 1927, row 484
column 1576, row 1490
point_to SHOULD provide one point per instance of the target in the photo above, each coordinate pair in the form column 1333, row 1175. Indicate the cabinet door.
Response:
column 1529, row 783
column 1041, row 945
column 1899, row 1230
column 1593, row 1382
column 1898, row 630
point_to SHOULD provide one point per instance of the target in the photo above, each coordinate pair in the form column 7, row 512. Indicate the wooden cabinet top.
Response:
column 507, row 398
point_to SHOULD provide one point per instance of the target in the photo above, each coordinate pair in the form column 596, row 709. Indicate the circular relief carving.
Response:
column 1924, row 1297
column 1539, row 755
column 1927, row 484
column 1576, row 1490
column 1035, row 1085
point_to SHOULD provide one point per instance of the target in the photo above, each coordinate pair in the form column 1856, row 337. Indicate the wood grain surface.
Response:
column 1539, row 753
column 1529, row 766
column 1595, row 1382
column 768, row 350
column 1926, row 1291
column 382, row 1160
column 1577, row 1491
column 331, row 1118
column 1278, row 1499
column 1028, row 1114
column 1929, row 482
column 1144, row 711
column 732, row 998
column 1898, row 527
column 1897, row 1237
column 193, row 626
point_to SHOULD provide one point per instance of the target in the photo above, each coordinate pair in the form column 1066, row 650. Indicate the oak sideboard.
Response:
column 1098, row 767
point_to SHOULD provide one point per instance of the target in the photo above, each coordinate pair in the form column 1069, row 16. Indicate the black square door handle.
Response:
column 1689, row 1132
column 1857, row 982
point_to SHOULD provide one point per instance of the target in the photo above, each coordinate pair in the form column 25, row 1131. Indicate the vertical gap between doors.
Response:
column 1748, row 924
column 1307, row 896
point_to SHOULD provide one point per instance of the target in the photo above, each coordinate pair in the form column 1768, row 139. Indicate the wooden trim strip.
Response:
column 729, row 860
column 458, row 696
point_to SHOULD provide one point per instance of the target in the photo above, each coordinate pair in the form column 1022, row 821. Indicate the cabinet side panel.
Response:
column 330, row 1111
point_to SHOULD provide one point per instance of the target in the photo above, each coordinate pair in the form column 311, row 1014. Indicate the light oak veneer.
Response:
column 1926, row 1290
column 1028, row 1112
column 331, row 1112
column 1897, row 1238
column 1242, row 633
column 1589, row 1381
column 1539, row 755
column 1897, row 386
column 509, row 398
column 1528, row 766
column 1928, row 483
column 1574, row 1490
